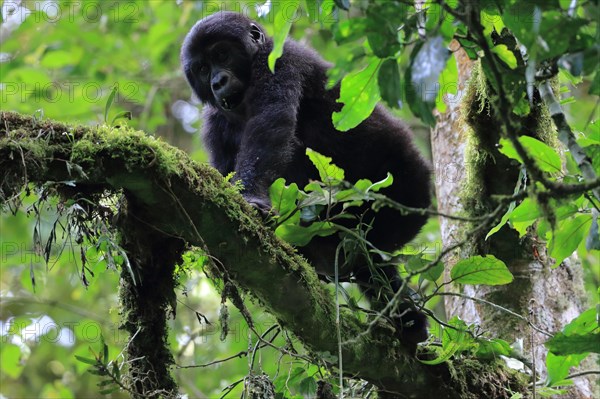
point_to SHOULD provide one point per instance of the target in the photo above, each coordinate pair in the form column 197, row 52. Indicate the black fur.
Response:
column 259, row 124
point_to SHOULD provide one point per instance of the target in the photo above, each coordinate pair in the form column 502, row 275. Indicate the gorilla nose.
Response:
column 219, row 81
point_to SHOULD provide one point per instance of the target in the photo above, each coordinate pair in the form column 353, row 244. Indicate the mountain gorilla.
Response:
column 259, row 124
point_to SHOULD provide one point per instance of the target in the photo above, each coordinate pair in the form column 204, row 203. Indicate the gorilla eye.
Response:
column 203, row 69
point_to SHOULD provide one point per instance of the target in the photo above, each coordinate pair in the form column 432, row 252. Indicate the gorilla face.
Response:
column 219, row 68
column 220, row 74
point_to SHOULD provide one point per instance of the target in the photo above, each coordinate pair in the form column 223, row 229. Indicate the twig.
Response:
column 566, row 136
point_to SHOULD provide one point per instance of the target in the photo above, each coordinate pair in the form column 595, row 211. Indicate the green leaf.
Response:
column 360, row 94
column 300, row 236
column 562, row 344
column 492, row 348
column 10, row 360
column 104, row 350
column 282, row 23
column 511, row 207
column 548, row 34
column 567, row 236
column 86, row 360
column 545, row 156
column 486, row 270
column 308, row 386
column 384, row 21
column 502, row 222
column 61, row 58
column 524, row 215
column 507, row 148
column 558, row 367
column 283, row 198
column 116, row 372
column 350, row 30
column 327, row 170
column 389, row 83
column 109, row 101
column 453, row 340
column 505, row 55
column 388, row 181
column 121, row 115
column 586, row 322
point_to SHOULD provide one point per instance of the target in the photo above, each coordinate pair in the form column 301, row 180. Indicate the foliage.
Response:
column 99, row 63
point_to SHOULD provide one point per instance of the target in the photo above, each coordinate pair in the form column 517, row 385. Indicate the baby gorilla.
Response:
column 258, row 124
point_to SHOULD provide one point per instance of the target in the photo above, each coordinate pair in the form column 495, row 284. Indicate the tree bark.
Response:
column 547, row 298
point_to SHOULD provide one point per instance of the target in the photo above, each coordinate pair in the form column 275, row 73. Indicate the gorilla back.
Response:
column 258, row 124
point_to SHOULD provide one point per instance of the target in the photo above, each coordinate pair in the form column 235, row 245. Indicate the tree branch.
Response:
column 177, row 198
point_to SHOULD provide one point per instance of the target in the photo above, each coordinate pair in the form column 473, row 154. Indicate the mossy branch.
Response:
column 171, row 196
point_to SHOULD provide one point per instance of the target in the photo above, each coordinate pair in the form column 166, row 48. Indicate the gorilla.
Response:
column 258, row 124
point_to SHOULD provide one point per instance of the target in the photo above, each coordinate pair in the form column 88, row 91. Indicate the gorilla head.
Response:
column 217, row 61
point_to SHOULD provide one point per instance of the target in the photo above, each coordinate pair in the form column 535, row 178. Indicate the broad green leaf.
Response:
column 524, row 215
column 284, row 16
column 10, row 360
column 362, row 188
column 492, row 348
column 327, row 170
column 562, row 344
column 359, row 93
column 61, row 58
column 283, row 198
column 486, row 270
column 389, row 83
column 384, row 21
column 545, row 156
column 505, row 55
column 307, row 386
column 522, row 107
column 558, row 367
column 507, row 148
column 300, row 236
column 584, row 323
column 547, row 34
column 350, row 30
column 528, row 212
column 567, row 236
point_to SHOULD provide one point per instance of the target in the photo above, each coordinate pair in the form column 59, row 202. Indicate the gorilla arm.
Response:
column 269, row 139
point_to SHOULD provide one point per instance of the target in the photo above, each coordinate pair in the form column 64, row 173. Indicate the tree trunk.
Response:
column 546, row 298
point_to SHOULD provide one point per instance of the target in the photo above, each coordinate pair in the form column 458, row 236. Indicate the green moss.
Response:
column 475, row 112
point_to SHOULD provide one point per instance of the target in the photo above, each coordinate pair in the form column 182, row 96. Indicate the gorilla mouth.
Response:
column 231, row 102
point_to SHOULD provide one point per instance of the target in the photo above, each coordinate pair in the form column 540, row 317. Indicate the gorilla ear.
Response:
column 256, row 34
